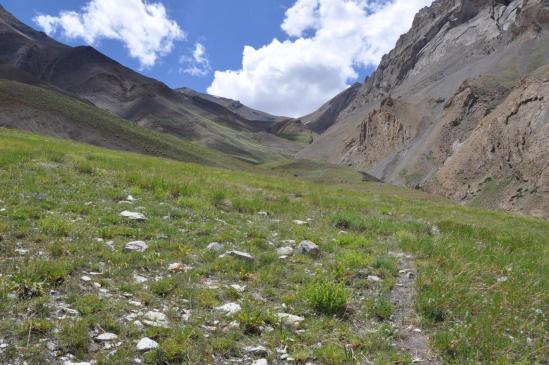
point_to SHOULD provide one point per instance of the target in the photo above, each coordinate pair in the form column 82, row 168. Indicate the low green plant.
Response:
column 327, row 297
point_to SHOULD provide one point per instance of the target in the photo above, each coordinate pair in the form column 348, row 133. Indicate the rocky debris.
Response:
column 300, row 222
column 285, row 251
column 238, row 288
column 139, row 279
column 239, row 255
column 262, row 214
column 261, row 362
column 216, row 246
column 374, row 279
column 86, row 279
column 256, row 350
column 21, row 251
column 310, row 248
column 106, row 337
column 130, row 198
column 146, row 344
column 290, row 320
column 69, row 362
column 136, row 216
column 229, row 308
column 178, row 267
column 136, row 246
column 435, row 231
column 156, row 319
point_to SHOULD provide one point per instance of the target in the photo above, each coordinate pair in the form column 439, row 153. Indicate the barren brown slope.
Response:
column 458, row 62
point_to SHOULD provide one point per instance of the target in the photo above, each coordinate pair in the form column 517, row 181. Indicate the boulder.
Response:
column 308, row 248
column 136, row 246
column 146, row 344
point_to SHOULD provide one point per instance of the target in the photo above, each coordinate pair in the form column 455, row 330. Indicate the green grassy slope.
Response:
column 95, row 125
column 482, row 287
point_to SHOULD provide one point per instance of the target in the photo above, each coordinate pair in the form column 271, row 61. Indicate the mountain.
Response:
column 29, row 56
column 233, row 105
column 457, row 107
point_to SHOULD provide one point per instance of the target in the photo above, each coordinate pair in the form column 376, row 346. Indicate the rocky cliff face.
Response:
column 461, row 61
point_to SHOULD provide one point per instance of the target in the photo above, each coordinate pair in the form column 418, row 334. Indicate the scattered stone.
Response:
column 106, row 337
column 133, row 215
column 146, row 344
column 156, row 319
column 68, row 362
column 285, row 251
column 229, row 308
column 308, row 248
column 130, row 198
column 139, row 279
column 502, row 279
column 216, row 246
column 256, row 350
column 435, row 231
column 262, row 214
column 86, row 279
column 374, row 279
column 177, row 267
column 239, row 255
column 238, row 288
column 299, row 222
column 21, row 251
column 136, row 246
column 290, row 319
column 261, row 362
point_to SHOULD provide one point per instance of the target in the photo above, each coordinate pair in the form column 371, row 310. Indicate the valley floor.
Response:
column 234, row 267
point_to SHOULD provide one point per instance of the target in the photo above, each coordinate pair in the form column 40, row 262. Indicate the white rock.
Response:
column 285, row 251
column 146, row 344
column 216, row 246
column 290, row 319
column 86, row 278
column 139, row 279
column 133, row 215
column 21, row 251
column 229, row 308
column 76, row 363
column 239, row 255
column 262, row 214
column 435, row 231
column 136, row 246
column 309, row 248
column 130, row 198
column 261, row 362
column 374, row 278
column 106, row 337
column 238, row 288
column 156, row 319
column 299, row 222
column 176, row 267
column 256, row 350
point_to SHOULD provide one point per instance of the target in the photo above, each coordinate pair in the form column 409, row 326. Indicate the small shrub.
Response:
column 252, row 318
column 163, row 287
column 74, row 338
column 327, row 297
column 382, row 309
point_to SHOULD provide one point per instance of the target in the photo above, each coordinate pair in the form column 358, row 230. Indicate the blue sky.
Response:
column 282, row 56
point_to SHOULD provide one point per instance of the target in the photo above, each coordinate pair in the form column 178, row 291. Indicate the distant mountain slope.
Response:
column 233, row 105
column 45, row 111
column 85, row 73
column 430, row 97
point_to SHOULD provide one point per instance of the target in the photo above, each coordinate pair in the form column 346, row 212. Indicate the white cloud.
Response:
column 327, row 41
column 144, row 27
column 197, row 64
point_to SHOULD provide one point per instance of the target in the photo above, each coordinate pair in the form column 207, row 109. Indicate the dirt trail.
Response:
column 411, row 338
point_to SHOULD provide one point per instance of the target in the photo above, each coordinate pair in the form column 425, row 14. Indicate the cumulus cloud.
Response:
column 197, row 64
column 328, row 41
column 143, row 27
